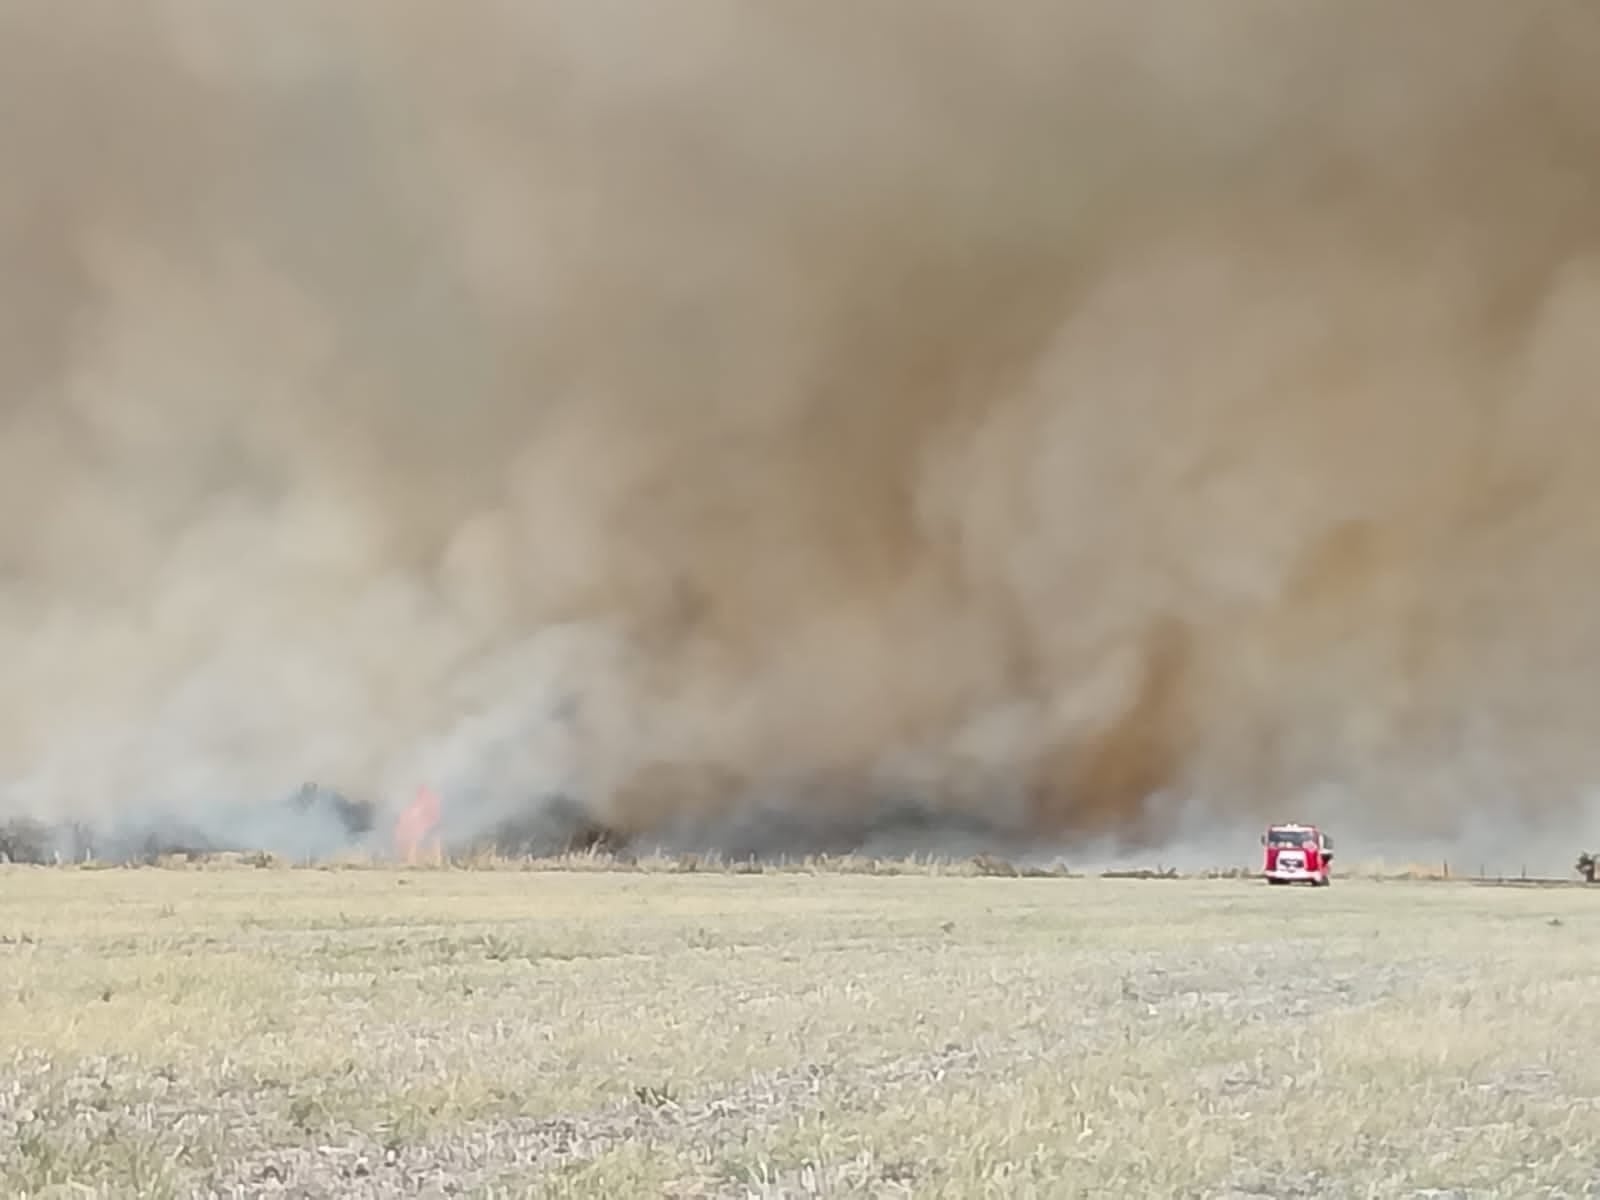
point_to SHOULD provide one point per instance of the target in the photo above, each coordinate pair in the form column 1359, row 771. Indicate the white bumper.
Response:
column 1293, row 872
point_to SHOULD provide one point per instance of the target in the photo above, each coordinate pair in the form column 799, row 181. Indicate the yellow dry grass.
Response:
column 569, row 1033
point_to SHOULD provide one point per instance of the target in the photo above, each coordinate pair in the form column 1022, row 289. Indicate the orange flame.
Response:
column 417, row 824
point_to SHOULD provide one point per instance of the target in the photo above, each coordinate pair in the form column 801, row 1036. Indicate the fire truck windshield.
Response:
column 1289, row 837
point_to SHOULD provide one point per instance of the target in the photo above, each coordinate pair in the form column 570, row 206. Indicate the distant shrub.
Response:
column 25, row 841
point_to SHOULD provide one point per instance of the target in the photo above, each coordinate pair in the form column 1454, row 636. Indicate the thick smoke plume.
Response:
column 783, row 425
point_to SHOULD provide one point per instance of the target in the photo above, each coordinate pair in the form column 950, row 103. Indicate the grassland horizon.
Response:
column 598, row 860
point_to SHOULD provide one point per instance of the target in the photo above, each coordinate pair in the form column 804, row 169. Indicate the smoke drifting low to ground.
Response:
column 792, row 426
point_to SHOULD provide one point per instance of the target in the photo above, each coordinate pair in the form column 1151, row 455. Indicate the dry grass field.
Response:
column 353, row 1033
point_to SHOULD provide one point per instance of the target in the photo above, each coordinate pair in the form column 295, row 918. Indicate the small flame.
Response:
column 417, row 825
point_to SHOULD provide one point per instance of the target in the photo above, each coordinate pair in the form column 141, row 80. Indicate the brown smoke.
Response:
column 1081, row 419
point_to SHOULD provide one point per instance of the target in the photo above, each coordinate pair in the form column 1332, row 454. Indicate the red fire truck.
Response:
column 1297, row 854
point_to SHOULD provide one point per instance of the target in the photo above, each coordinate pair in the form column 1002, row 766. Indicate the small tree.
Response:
column 1588, row 865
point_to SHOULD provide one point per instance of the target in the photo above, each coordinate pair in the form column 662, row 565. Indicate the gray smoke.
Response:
column 796, row 425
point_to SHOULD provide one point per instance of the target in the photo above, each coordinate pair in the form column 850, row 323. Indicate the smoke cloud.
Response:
column 792, row 425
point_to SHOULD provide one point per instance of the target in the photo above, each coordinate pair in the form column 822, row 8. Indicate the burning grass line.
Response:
column 605, row 862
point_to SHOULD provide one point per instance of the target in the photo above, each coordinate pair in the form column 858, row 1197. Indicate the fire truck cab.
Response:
column 1297, row 854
